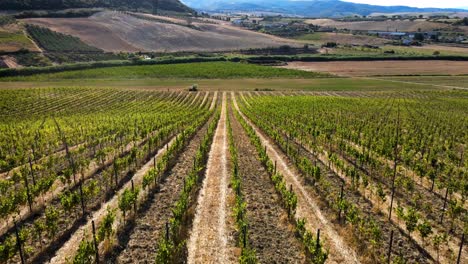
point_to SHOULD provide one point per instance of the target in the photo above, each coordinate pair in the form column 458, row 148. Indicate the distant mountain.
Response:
column 311, row 8
column 168, row 5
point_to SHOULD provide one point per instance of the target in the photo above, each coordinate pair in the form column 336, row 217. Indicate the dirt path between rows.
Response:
column 307, row 208
column 270, row 233
column 204, row 99
column 210, row 239
column 213, row 103
column 70, row 247
column 194, row 99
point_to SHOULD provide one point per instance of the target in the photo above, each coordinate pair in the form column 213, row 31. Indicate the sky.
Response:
column 415, row 3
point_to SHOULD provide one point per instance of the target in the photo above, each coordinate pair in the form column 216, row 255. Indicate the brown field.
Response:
column 376, row 68
column 444, row 48
column 112, row 31
column 399, row 25
column 351, row 39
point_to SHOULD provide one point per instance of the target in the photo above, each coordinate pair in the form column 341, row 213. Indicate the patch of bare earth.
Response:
column 271, row 234
column 211, row 239
column 378, row 68
column 10, row 62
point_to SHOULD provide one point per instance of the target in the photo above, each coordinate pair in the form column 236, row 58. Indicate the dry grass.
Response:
column 398, row 25
column 13, row 38
column 342, row 38
column 373, row 68
column 112, row 31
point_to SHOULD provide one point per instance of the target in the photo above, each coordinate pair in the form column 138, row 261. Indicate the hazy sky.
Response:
column 415, row 3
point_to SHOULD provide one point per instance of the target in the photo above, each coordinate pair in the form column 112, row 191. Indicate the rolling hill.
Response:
column 117, row 31
column 311, row 8
column 168, row 5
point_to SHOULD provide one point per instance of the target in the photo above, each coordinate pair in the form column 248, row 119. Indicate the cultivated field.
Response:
column 380, row 68
column 113, row 31
column 397, row 25
column 285, row 167
column 238, row 175
column 341, row 38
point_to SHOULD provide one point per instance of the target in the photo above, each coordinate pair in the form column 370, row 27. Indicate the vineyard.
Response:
column 107, row 175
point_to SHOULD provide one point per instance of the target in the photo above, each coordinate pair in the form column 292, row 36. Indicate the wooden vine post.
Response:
column 18, row 243
column 461, row 248
column 96, row 245
column 389, row 259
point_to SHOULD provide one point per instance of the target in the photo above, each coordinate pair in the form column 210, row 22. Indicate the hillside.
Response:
column 314, row 8
column 117, row 31
column 168, row 5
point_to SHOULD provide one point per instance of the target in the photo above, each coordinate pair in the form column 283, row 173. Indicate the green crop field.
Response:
column 214, row 70
column 105, row 158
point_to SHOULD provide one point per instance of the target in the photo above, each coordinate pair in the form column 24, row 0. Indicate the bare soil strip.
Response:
column 271, row 234
column 204, row 98
column 69, row 248
column 307, row 208
column 140, row 242
column 245, row 100
column 210, row 240
column 213, row 103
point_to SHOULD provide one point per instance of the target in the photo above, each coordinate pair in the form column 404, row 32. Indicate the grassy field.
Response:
column 211, row 70
column 240, row 84
column 454, row 81
column 341, row 38
column 399, row 50
column 12, row 40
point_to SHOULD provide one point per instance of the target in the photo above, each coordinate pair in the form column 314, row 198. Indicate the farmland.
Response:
column 397, row 25
column 229, row 173
column 334, row 155
column 112, row 31
column 12, row 38
column 149, row 132
column 378, row 68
